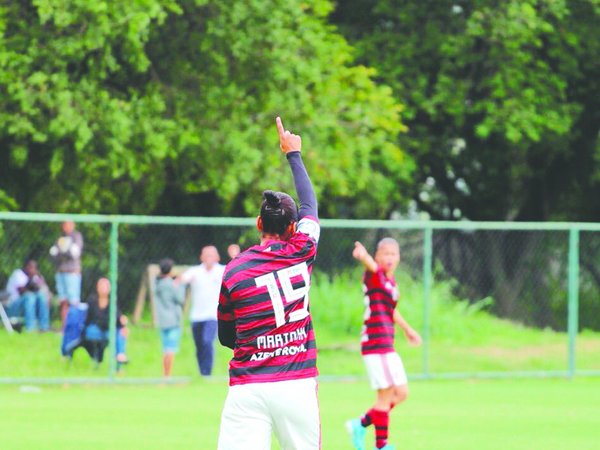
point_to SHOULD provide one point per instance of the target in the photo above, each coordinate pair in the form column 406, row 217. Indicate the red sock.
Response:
column 381, row 420
column 367, row 419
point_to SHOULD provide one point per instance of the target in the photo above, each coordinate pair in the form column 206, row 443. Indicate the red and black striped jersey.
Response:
column 265, row 291
column 381, row 298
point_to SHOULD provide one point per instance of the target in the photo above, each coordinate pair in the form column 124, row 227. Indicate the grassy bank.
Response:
column 463, row 338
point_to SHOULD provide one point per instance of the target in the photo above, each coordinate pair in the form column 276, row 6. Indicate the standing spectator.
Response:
column 97, row 323
column 205, row 282
column 66, row 253
column 29, row 297
column 168, row 302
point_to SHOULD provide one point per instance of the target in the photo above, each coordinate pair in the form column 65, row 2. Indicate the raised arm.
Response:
column 291, row 146
column 361, row 254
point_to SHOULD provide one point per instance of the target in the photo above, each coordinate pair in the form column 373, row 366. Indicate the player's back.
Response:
column 381, row 298
column 265, row 290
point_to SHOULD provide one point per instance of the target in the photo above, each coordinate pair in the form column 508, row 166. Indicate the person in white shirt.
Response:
column 205, row 283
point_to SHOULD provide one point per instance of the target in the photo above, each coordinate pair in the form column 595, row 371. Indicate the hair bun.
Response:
column 272, row 199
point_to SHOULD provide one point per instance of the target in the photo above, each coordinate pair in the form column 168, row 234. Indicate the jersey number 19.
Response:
column 289, row 293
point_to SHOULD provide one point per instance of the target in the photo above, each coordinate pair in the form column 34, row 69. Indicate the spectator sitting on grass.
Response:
column 98, row 320
column 168, row 301
column 29, row 297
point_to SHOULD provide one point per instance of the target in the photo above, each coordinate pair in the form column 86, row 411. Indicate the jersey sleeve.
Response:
column 225, row 308
column 368, row 280
column 226, row 319
column 310, row 226
column 374, row 280
column 304, row 188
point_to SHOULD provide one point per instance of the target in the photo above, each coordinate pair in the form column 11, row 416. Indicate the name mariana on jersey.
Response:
column 280, row 342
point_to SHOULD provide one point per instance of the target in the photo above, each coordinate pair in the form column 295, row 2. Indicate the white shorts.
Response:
column 252, row 412
column 385, row 370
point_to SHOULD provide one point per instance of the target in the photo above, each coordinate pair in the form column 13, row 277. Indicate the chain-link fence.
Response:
column 490, row 299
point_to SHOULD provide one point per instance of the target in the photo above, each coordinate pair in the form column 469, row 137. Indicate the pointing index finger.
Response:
column 280, row 128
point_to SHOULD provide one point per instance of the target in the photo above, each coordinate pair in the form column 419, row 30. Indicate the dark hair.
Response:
column 165, row 266
column 28, row 260
column 277, row 211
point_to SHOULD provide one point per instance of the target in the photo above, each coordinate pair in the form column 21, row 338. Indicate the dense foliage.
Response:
column 164, row 106
column 502, row 101
column 503, row 111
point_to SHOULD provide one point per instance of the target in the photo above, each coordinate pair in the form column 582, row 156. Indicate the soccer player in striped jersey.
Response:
column 264, row 317
column 384, row 366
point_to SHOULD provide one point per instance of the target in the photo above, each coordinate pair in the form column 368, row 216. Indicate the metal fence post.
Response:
column 573, row 322
column 114, row 279
column 427, row 269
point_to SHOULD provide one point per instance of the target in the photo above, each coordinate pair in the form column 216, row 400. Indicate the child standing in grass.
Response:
column 169, row 308
column 384, row 366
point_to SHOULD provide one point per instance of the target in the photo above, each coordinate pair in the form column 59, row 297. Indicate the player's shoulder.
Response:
column 249, row 253
column 375, row 273
column 241, row 261
column 309, row 226
column 193, row 269
column 375, row 277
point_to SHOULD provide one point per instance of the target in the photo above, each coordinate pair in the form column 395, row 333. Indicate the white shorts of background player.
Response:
column 385, row 370
column 253, row 412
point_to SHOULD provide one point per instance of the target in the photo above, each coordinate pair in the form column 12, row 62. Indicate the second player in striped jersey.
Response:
column 384, row 366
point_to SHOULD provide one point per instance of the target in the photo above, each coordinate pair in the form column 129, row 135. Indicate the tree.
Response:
column 503, row 110
column 149, row 106
column 78, row 132
column 248, row 62
column 501, row 97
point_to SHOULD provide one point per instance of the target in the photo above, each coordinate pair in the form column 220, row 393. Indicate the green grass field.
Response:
column 445, row 415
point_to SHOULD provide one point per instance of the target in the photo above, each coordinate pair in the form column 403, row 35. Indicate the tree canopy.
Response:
column 502, row 101
column 163, row 106
column 503, row 113
column 458, row 108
